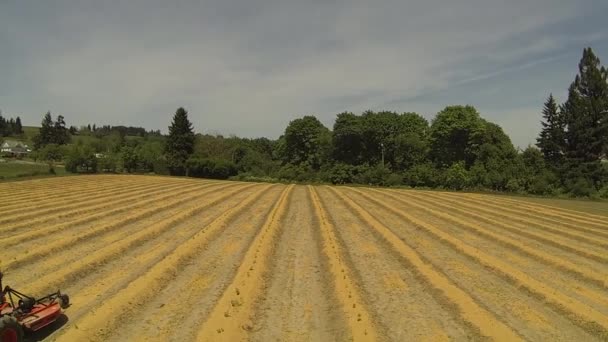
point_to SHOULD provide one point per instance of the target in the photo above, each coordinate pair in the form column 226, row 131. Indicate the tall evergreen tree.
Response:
column 61, row 133
column 11, row 127
column 3, row 126
column 551, row 138
column 180, row 142
column 586, row 119
column 18, row 126
column 46, row 133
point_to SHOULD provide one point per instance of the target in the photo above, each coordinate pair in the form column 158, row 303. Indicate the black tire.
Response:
column 10, row 330
column 64, row 301
column 26, row 304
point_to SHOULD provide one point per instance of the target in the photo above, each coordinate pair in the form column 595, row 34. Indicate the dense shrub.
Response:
column 581, row 187
column 603, row 192
column 107, row 163
column 372, row 175
column 541, row 184
column 160, row 167
column 209, row 168
column 456, row 177
column 421, row 175
column 342, row 174
column 298, row 173
column 394, row 179
column 514, row 185
column 81, row 159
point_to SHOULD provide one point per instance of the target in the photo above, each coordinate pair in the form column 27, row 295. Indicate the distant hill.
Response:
column 30, row 132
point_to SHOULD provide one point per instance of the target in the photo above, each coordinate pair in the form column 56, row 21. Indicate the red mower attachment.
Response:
column 20, row 313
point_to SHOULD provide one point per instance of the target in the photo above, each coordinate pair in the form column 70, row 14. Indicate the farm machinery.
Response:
column 20, row 313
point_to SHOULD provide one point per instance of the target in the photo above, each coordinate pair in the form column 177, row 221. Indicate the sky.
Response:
column 249, row 67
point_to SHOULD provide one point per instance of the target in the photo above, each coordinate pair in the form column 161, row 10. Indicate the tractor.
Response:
column 27, row 314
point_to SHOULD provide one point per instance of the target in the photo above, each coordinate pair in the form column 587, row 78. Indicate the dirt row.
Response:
column 95, row 203
column 154, row 258
column 50, row 189
column 111, row 206
column 511, row 283
column 123, row 255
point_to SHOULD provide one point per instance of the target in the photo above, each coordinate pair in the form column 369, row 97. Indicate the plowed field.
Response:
column 154, row 258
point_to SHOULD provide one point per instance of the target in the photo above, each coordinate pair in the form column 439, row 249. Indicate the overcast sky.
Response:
column 249, row 67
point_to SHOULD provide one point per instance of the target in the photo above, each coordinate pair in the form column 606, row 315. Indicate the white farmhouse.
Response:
column 14, row 148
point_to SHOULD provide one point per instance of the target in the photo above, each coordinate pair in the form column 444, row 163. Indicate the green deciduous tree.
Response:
column 180, row 142
column 493, row 155
column 411, row 142
column 306, row 142
column 51, row 153
column 450, row 135
column 347, row 139
column 148, row 154
column 401, row 138
column 128, row 158
column 379, row 132
column 108, row 163
column 81, row 158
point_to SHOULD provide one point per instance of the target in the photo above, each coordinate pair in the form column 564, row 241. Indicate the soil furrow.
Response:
column 58, row 190
column 45, row 202
column 529, row 223
column 531, row 260
column 52, row 191
column 562, row 264
column 70, row 240
column 89, row 263
column 110, row 278
column 95, row 202
column 182, row 259
column 98, row 324
column 561, row 212
column 21, row 236
column 35, row 197
column 175, row 314
column 360, row 323
column 299, row 303
column 470, row 311
column 454, row 206
column 542, row 220
column 230, row 319
column 588, row 318
column 523, row 312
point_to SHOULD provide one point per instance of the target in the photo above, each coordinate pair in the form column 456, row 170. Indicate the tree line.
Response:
column 458, row 149
column 10, row 126
column 105, row 130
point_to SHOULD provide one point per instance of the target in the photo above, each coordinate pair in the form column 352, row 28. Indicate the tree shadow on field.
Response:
column 45, row 332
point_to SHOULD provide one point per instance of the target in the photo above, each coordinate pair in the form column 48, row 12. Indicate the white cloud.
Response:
column 250, row 67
